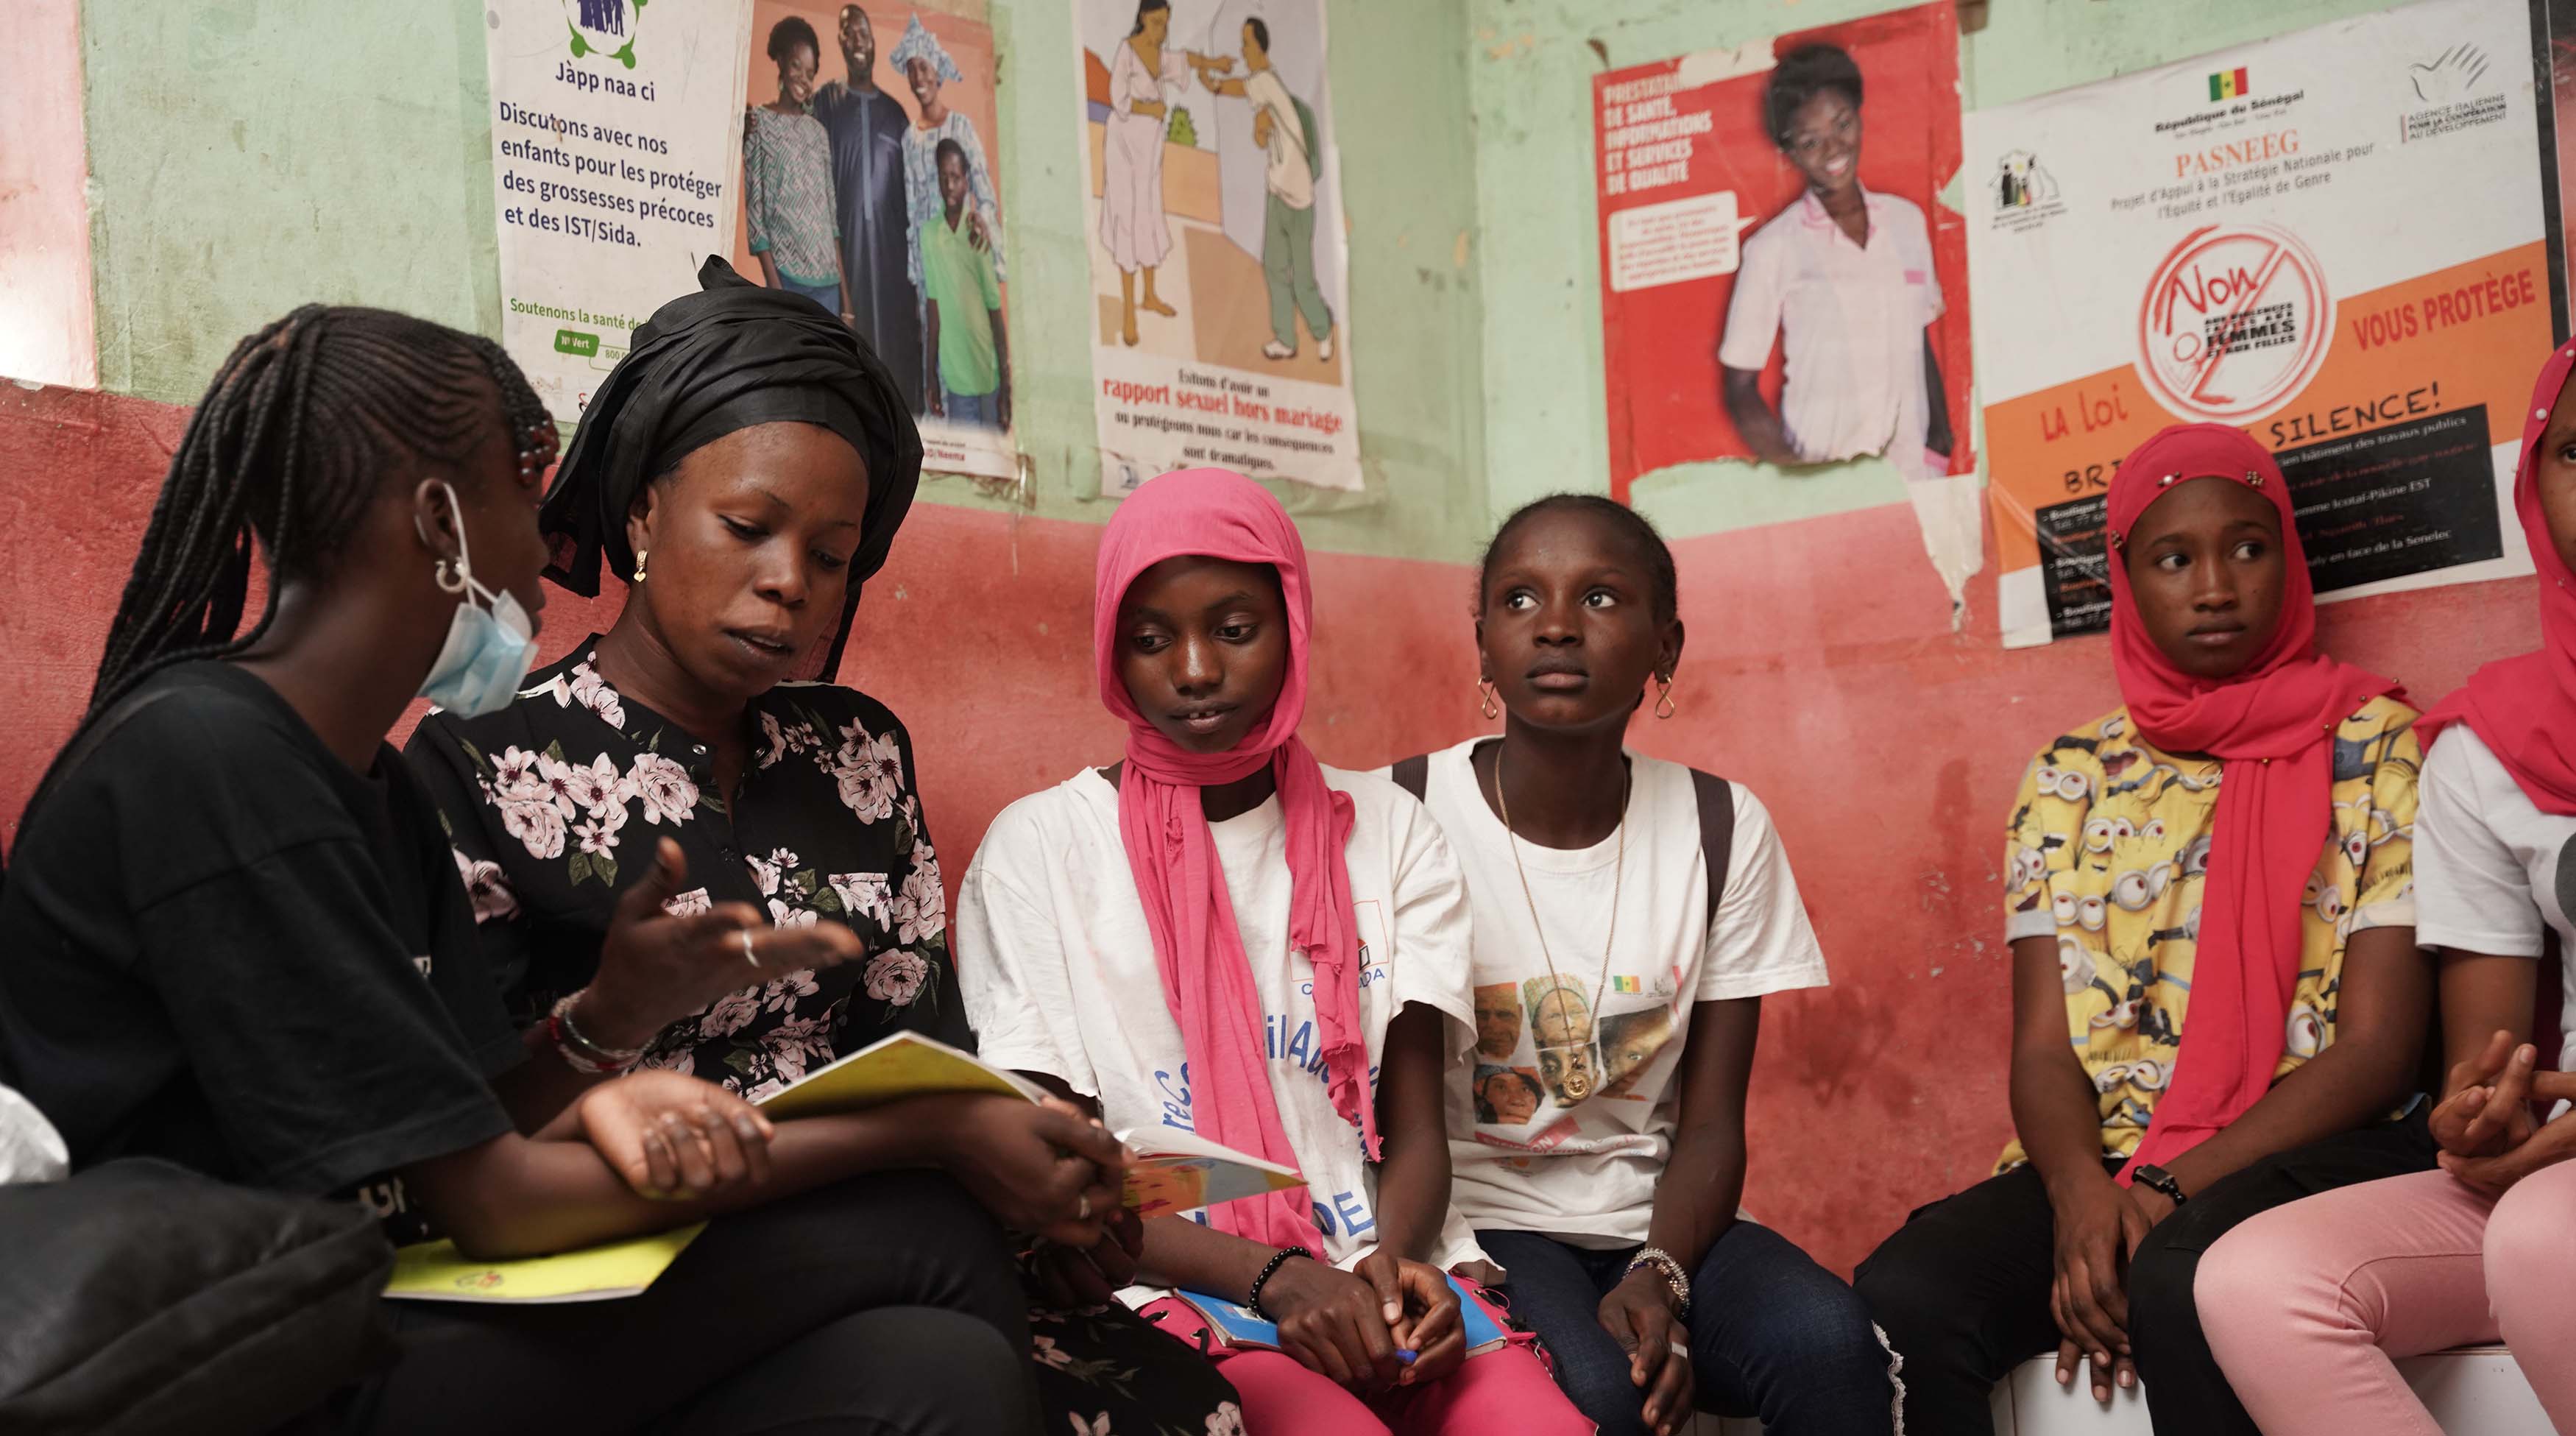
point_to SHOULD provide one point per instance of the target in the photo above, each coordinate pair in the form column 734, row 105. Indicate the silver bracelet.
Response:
column 1675, row 1279
column 580, row 1052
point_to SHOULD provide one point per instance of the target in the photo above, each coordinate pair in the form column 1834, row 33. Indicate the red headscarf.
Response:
column 2273, row 725
column 1207, row 979
column 2525, row 707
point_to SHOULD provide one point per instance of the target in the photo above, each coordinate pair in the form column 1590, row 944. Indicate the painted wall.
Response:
column 252, row 155
column 1822, row 669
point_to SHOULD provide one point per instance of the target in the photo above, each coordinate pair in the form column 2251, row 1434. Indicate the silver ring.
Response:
column 747, row 954
column 1083, row 1213
column 1677, row 1348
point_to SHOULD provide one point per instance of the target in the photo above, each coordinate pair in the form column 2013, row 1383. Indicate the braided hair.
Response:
column 286, row 450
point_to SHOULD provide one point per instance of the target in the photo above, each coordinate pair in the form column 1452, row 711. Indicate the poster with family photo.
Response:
column 1220, row 280
column 868, row 186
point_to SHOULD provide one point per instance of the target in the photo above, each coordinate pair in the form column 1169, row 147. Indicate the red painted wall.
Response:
column 978, row 632
column 1821, row 671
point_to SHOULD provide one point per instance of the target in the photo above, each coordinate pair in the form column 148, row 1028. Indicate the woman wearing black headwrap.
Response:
column 659, row 827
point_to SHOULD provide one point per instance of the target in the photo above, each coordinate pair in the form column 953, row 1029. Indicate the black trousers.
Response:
column 1962, row 1288
column 888, row 1304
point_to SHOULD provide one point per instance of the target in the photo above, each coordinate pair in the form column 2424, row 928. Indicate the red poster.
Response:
column 1772, row 210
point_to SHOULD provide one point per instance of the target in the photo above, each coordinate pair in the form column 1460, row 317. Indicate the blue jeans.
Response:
column 827, row 295
column 1772, row 1334
column 982, row 410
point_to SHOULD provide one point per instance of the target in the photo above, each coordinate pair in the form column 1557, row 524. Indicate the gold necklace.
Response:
column 1575, row 1085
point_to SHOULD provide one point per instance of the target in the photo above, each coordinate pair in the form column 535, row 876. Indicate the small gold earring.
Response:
column 639, row 565
column 1488, row 707
column 1664, row 698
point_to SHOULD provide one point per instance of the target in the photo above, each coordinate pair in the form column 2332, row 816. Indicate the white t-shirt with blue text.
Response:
column 1060, row 978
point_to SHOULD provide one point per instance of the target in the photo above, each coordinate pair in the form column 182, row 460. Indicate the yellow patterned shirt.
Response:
column 2108, row 852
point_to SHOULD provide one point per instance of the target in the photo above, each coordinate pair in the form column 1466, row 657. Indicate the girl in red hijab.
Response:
column 2217, row 999
column 1220, row 936
column 2309, row 1306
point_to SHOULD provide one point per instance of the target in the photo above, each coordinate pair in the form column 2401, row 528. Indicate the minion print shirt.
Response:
column 2108, row 852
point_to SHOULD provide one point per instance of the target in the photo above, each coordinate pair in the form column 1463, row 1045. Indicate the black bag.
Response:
column 140, row 1297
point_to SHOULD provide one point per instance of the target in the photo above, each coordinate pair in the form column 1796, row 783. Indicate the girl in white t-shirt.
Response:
column 1598, row 1134
column 2308, row 1306
column 1219, row 935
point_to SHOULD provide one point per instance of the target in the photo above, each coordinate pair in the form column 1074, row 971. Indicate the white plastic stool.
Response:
column 2474, row 1391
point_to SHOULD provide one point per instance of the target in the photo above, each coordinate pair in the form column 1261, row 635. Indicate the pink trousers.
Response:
column 1504, row 1389
column 2307, row 1306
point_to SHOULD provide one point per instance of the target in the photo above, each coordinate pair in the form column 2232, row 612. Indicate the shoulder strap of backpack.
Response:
column 1413, row 774
column 1716, row 831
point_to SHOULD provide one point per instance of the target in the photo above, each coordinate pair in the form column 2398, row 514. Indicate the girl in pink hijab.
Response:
column 1220, row 936
column 2310, row 1306
column 2217, row 1001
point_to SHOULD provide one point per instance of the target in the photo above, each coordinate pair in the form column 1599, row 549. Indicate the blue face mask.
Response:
column 488, row 649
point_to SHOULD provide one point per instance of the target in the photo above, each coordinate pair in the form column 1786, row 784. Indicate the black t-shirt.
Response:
column 220, row 946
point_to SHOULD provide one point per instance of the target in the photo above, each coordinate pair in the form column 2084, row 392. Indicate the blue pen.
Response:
column 1407, row 1357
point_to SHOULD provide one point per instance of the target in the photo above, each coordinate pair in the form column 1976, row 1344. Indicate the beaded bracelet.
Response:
column 1252, row 1298
column 581, row 1054
column 1675, row 1279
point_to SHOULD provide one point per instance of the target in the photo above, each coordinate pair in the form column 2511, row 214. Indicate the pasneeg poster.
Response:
column 616, row 133
column 1219, row 279
column 2333, row 240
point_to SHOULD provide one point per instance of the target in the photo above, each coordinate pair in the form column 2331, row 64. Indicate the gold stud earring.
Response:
column 639, row 565
column 1664, row 707
column 1491, row 709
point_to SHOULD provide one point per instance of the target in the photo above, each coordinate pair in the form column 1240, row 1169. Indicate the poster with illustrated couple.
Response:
column 1220, row 277
column 868, row 187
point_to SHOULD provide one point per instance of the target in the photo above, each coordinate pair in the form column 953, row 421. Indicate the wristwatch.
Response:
column 2156, row 1178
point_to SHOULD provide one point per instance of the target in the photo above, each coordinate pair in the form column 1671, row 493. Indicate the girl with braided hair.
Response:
column 235, row 939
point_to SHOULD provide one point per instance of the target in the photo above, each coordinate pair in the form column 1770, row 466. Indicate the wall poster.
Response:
column 1778, row 279
column 1219, row 277
column 869, row 185
column 2333, row 239
column 615, row 143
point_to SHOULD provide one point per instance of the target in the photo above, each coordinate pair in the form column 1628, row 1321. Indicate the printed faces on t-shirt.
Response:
column 1550, row 1068
column 1344, row 1208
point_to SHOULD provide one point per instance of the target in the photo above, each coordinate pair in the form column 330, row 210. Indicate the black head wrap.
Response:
column 728, row 357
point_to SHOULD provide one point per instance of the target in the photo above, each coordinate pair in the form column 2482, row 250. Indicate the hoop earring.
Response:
column 639, row 565
column 1488, row 707
column 451, row 577
column 1664, row 707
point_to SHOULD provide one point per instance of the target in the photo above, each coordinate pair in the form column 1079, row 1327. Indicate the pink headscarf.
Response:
column 2273, row 725
column 1207, row 979
column 2525, row 707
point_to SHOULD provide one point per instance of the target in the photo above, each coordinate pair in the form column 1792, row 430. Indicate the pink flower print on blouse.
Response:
column 598, row 832
column 595, row 785
column 493, row 900
column 783, row 994
column 591, row 691
column 537, row 823
column 870, row 773
column 921, row 910
column 865, row 895
column 664, row 786
column 688, row 904
column 895, row 978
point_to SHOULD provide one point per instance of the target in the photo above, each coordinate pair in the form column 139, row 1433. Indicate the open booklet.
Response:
column 437, row 1271
column 1174, row 1171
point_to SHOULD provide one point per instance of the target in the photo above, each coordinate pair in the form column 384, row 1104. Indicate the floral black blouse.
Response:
column 554, row 805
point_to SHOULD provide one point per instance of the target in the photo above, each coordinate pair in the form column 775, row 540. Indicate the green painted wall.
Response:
column 1530, row 79
column 251, row 155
